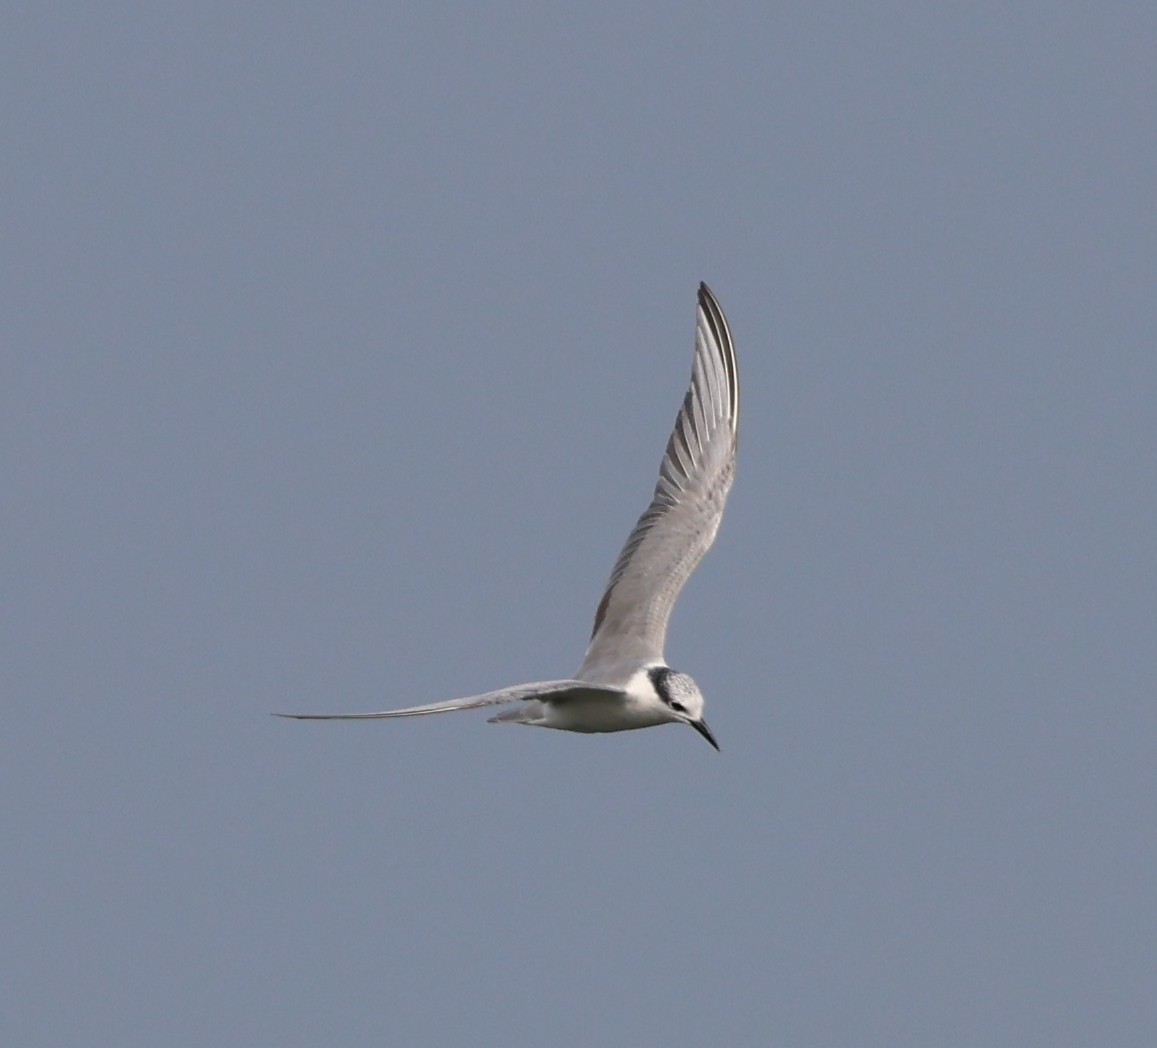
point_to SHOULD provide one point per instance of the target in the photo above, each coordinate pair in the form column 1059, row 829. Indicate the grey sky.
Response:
column 339, row 351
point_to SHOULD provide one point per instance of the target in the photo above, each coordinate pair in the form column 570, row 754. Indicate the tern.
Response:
column 624, row 681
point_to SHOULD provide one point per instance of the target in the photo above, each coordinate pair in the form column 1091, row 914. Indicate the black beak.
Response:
column 701, row 727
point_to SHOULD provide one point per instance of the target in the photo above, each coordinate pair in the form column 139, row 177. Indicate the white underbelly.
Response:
column 599, row 715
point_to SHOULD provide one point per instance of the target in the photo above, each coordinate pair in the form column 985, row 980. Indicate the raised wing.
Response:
column 551, row 690
column 680, row 524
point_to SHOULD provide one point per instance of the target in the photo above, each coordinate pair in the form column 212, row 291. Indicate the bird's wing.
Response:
column 680, row 524
column 551, row 690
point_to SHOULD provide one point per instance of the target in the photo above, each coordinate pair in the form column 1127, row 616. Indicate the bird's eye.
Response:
column 678, row 707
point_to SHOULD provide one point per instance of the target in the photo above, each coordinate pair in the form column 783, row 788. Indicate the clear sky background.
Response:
column 340, row 347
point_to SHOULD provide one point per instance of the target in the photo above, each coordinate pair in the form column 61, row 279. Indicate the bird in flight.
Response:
column 624, row 681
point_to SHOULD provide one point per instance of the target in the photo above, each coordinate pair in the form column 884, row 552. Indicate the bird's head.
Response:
column 682, row 697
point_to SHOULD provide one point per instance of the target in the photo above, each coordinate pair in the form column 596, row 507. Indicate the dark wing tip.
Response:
column 720, row 331
column 709, row 303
